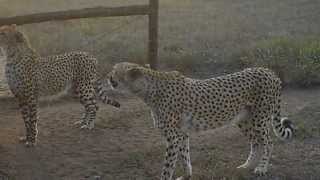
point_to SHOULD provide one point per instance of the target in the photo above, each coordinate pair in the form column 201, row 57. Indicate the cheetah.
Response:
column 31, row 77
column 181, row 105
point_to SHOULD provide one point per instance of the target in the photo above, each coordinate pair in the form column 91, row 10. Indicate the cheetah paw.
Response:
column 117, row 105
column 79, row 122
column 30, row 144
column 184, row 178
column 86, row 126
column 243, row 166
column 23, row 139
column 260, row 171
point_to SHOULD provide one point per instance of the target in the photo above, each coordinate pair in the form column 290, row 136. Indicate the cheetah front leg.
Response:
column 24, row 109
column 30, row 116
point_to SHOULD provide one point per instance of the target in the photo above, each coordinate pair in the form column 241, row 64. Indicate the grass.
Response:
column 200, row 38
column 306, row 121
column 297, row 62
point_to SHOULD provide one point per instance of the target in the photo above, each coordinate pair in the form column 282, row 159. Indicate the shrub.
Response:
column 297, row 62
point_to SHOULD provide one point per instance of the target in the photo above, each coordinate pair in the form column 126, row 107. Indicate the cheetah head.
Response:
column 128, row 77
column 10, row 36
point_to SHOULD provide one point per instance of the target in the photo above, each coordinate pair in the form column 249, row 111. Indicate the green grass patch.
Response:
column 297, row 62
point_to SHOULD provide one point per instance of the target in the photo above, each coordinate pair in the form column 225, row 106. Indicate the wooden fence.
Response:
column 151, row 10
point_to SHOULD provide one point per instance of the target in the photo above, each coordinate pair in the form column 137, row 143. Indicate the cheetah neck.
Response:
column 15, row 53
column 161, row 76
column 155, row 81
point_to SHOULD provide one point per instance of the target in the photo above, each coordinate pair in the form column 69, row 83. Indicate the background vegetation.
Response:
column 201, row 38
column 297, row 62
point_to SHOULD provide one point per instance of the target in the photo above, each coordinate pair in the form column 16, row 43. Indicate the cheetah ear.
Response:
column 19, row 37
column 133, row 74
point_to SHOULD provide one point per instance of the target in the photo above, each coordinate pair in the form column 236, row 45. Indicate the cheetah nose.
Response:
column 113, row 83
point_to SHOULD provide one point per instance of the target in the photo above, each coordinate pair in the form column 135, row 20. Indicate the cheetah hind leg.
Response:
column 184, row 178
column 75, row 92
column 245, row 125
column 23, row 139
column 82, row 121
column 89, row 117
column 185, row 157
column 88, row 125
column 90, row 106
column 267, row 147
column 253, row 157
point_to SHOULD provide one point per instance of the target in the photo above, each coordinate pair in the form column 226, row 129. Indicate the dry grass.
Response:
column 297, row 62
column 199, row 37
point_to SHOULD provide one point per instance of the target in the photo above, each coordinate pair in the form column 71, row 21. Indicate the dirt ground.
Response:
column 125, row 146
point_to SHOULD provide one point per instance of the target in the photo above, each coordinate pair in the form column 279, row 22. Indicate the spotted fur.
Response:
column 182, row 105
column 30, row 77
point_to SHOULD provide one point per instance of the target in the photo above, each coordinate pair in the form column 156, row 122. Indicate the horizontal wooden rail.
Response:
column 151, row 10
column 76, row 14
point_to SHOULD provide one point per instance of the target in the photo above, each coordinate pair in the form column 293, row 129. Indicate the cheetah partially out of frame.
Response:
column 30, row 77
column 181, row 105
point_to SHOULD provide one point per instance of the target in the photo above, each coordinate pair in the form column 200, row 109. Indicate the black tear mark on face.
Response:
column 114, row 84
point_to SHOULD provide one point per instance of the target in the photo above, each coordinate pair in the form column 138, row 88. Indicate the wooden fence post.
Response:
column 76, row 14
column 153, row 33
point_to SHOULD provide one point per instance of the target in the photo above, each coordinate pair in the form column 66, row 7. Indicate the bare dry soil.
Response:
column 124, row 145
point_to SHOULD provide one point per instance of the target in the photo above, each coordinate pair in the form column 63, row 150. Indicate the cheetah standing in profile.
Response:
column 181, row 105
column 30, row 76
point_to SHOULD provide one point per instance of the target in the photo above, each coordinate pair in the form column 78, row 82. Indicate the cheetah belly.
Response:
column 49, row 93
column 14, row 80
column 54, row 86
column 192, row 123
column 54, row 80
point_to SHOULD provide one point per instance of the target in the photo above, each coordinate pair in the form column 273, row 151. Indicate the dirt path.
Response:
column 125, row 146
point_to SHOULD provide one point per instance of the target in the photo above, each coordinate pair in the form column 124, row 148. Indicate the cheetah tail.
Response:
column 101, row 91
column 282, row 126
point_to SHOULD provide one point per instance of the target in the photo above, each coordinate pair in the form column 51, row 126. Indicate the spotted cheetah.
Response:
column 30, row 77
column 181, row 105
